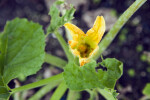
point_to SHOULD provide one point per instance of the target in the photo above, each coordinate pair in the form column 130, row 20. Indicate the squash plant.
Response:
column 22, row 45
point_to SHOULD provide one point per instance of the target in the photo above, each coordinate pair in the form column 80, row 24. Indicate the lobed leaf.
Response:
column 4, row 93
column 57, row 20
column 1, row 81
column 22, row 49
column 86, row 77
column 113, row 73
column 146, row 90
column 5, row 96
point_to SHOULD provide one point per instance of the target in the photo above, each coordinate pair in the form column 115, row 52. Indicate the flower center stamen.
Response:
column 84, row 50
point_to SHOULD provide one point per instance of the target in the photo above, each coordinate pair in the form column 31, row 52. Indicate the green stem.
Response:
column 53, row 79
column 56, row 61
column 44, row 90
column 17, row 95
column 107, row 95
column 59, row 91
column 145, row 97
column 93, row 94
column 73, row 95
column 64, row 45
column 117, row 26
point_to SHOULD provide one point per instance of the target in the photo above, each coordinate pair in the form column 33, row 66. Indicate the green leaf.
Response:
column 4, row 93
column 57, row 20
column 22, row 45
column 1, row 81
column 113, row 73
column 80, row 78
column 86, row 77
column 3, row 90
column 146, row 90
column 4, row 96
column 3, row 47
column 59, row 2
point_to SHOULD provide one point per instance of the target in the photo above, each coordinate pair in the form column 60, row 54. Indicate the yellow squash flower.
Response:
column 86, row 45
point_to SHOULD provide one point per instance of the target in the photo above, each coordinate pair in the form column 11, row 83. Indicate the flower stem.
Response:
column 73, row 95
column 93, row 94
column 53, row 79
column 64, row 45
column 106, row 94
column 38, row 95
column 117, row 26
column 53, row 60
column 59, row 91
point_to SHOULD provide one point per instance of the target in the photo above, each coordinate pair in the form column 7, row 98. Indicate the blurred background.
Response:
column 131, row 46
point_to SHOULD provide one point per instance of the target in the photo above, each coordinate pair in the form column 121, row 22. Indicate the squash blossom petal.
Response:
column 85, row 45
